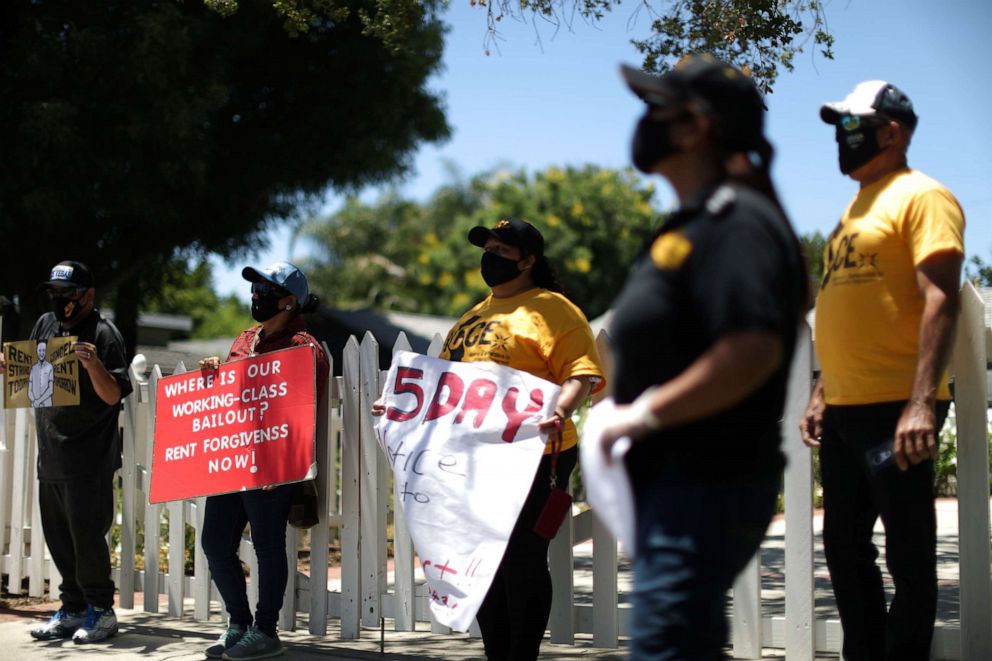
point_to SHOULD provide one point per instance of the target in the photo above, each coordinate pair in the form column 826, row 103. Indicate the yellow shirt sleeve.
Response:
column 933, row 222
column 574, row 353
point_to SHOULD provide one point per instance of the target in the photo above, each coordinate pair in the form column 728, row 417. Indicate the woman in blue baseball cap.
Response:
column 279, row 294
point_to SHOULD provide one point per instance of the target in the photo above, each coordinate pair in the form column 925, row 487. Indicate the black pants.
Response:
column 76, row 517
column 514, row 614
column 223, row 522
column 854, row 496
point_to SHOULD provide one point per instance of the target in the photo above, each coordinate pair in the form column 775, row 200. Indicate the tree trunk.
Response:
column 126, row 301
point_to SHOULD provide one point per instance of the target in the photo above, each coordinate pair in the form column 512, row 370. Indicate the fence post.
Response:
column 434, row 350
column 404, row 616
column 287, row 614
column 560, row 561
column 605, row 615
column 800, row 641
column 746, row 627
column 372, row 503
column 351, row 466
column 153, row 513
column 326, row 484
column 177, row 545
column 7, row 438
column 36, row 561
column 201, row 571
column 128, row 487
column 22, row 473
column 969, row 365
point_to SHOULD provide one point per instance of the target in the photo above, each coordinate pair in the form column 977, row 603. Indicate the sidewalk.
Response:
column 146, row 636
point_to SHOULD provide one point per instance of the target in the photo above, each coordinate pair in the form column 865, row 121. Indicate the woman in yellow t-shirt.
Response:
column 526, row 323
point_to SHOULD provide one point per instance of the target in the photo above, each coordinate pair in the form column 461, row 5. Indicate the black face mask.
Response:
column 855, row 148
column 264, row 308
column 65, row 308
column 651, row 143
column 497, row 270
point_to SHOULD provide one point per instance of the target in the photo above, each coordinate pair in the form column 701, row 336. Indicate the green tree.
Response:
column 185, row 287
column 759, row 36
column 397, row 254
column 813, row 246
column 133, row 130
column 978, row 271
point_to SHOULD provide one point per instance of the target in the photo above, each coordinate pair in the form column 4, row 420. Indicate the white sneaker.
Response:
column 61, row 625
column 101, row 624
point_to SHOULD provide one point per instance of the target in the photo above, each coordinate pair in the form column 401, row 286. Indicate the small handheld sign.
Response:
column 41, row 373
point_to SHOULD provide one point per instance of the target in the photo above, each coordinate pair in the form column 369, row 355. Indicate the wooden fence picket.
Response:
column 153, row 513
column 372, row 502
column 404, row 617
column 325, row 482
column 22, row 473
column 175, row 580
column 36, row 561
column 128, row 536
column 6, row 475
column 351, row 469
column 970, row 370
column 798, row 489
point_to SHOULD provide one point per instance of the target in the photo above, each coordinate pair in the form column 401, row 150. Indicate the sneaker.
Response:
column 61, row 625
column 255, row 644
column 227, row 640
column 101, row 624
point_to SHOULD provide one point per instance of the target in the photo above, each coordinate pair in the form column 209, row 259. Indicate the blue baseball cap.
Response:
column 281, row 274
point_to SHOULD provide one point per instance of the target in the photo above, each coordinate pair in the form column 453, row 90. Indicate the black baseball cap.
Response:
column 725, row 91
column 512, row 231
column 68, row 273
column 872, row 98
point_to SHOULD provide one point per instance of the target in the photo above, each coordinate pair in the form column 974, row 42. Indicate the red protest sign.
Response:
column 249, row 424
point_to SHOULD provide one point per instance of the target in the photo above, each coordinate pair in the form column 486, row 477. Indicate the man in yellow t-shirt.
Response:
column 885, row 318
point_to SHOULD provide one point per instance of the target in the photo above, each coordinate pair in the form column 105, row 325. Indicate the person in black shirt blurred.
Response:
column 703, row 334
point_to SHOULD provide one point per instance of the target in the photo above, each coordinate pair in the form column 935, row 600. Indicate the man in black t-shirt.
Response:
column 79, row 449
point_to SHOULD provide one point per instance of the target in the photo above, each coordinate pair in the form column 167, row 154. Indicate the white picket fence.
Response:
column 355, row 498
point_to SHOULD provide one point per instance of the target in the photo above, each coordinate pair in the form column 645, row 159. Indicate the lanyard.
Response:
column 556, row 443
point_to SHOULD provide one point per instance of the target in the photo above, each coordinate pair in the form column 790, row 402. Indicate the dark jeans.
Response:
column 76, row 517
column 693, row 538
column 853, row 498
column 514, row 614
column 223, row 522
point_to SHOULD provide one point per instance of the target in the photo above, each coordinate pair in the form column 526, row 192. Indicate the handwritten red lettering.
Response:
column 517, row 418
column 401, row 388
column 478, row 399
column 449, row 384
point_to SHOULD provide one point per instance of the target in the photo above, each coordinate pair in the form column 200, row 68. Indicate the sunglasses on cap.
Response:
column 851, row 123
column 266, row 288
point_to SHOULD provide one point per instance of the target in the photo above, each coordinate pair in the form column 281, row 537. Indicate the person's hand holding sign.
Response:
column 86, row 353
column 210, row 363
column 104, row 384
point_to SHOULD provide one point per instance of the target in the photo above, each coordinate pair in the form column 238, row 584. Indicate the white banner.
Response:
column 463, row 443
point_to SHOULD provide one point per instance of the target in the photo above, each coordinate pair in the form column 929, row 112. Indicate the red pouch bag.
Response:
column 559, row 502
